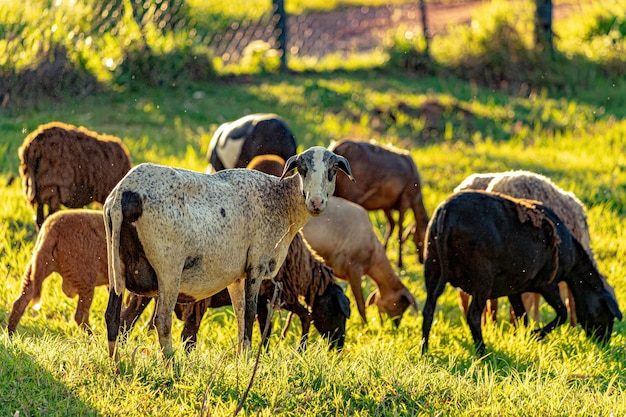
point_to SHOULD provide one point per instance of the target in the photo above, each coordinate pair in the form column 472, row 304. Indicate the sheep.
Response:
column 61, row 164
column 469, row 244
column 71, row 243
column 234, row 144
column 303, row 274
column 355, row 255
column 387, row 179
column 343, row 236
column 201, row 233
column 530, row 185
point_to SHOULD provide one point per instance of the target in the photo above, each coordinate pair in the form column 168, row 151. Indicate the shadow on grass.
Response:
column 29, row 389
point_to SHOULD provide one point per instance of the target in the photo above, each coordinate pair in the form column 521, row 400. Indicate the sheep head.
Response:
column 317, row 168
column 393, row 304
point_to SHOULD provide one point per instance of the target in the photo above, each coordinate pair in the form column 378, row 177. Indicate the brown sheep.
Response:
column 61, row 164
column 343, row 235
column 530, row 185
column 386, row 179
column 71, row 243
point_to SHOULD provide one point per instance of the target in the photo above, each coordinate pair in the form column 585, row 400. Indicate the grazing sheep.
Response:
column 469, row 244
column 201, row 233
column 234, row 144
column 387, row 179
column 303, row 274
column 361, row 252
column 344, row 237
column 71, row 243
column 61, row 164
column 533, row 186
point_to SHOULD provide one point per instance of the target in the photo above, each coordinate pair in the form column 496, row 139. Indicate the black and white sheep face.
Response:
column 317, row 168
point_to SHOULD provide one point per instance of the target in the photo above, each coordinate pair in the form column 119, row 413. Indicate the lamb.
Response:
column 201, row 233
column 71, row 243
column 530, row 185
column 388, row 180
column 234, row 144
column 468, row 244
column 61, row 164
column 357, row 253
column 303, row 274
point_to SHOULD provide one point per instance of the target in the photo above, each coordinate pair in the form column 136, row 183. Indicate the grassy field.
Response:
column 577, row 137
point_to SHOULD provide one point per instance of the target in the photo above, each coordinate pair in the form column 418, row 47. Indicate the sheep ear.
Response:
column 372, row 298
column 342, row 164
column 290, row 165
column 612, row 305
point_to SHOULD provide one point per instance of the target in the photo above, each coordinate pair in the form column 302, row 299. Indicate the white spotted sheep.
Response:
column 533, row 186
column 355, row 254
column 386, row 179
column 468, row 245
column 302, row 275
column 234, row 144
column 72, row 244
column 65, row 165
column 201, row 233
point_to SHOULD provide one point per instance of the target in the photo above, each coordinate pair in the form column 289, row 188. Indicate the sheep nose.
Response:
column 317, row 205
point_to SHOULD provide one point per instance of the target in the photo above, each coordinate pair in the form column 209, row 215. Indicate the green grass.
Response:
column 576, row 136
column 57, row 370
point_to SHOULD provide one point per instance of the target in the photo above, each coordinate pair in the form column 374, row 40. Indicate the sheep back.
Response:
column 61, row 164
column 234, row 144
column 530, row 185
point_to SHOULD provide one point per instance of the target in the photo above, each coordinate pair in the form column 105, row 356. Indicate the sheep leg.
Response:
column 40, row 215
column 133, row 310
column 81, row 316
column 519, row 310
column 244, row 293
column 357, row 291
column 553, row 298
column 163, row 319
column 262, row 317
column 474, row 320
column 400, row 231
column 112, row 318
column 283, row 333
column 305, row 320
column 19, row 306
column 434, row 289
column 189, row 335
column 391, row 224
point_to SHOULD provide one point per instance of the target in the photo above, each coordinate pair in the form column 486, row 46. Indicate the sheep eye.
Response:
column 302, row 171
column 331, row 174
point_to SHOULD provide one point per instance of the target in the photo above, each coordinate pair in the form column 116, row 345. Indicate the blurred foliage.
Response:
column 55, row 48
column 497, row 48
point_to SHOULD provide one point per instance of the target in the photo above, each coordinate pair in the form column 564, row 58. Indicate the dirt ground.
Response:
column 363, row 28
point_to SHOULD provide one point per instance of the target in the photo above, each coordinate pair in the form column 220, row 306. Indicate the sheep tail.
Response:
column 113, row 217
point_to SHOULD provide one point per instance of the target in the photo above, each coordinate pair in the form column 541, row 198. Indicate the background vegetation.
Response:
column 498, row 104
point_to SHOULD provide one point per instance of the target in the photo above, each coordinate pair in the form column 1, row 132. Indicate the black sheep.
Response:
column 491, row 245
column 234, row 144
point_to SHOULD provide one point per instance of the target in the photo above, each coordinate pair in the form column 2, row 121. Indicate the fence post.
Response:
column 280, row 17
column 543, row 25
column 422, row 4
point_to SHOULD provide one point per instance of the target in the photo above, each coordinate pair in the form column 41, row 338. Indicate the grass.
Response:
column 62, row 371
column 576, row 136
